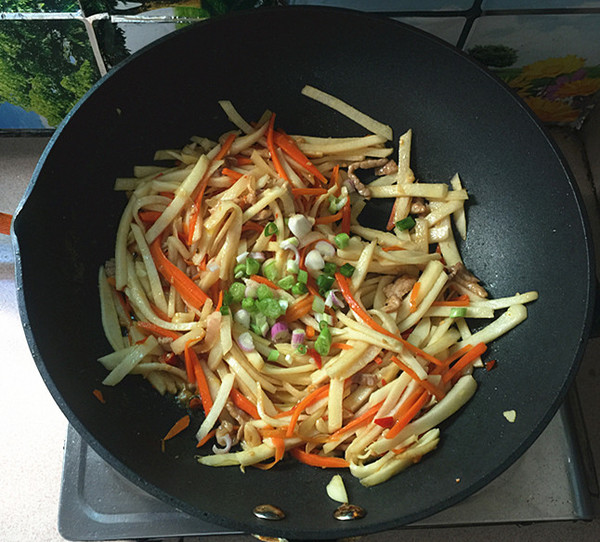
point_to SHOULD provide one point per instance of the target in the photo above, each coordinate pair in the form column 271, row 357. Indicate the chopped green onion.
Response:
column 330, row 268
column 325, row 282
column 287, row 282
column 299, row 288
column 271, row 229
column 273, row 355
column 406, row 223
column 270, row 307
column 301, row 349
column 458, row 312
column 302, row 276
column 237, row 291
column 224, row 310
column 252, row 266
column 227, row 298
column 318, row 305
column 342, row 240
column 264, row 292
column 249, row 304
column 323, row 342
column 347, row 270
column 260, row 326
column 291, row 266
column 239, row 271
column 270, row 270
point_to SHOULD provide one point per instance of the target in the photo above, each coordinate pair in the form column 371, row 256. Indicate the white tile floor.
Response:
column 33, row 428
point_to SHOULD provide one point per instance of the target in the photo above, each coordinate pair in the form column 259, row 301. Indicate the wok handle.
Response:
column 5, row 221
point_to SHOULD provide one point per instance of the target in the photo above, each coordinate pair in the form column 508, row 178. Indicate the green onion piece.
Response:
column 302, row 276
column 270, row 270
column 271, row 229
column 406, row 223
column 322, row 345
column 301, row 349
column 333, row 204
column 249, row 304
column 252, row 266
column 325, row 282
column 342, row 240
column 330, row 268
column 260, row 326
column 287, row 282
column 227, row 298
column 239, row 271
column 270, row 308
column 458, row 312
column 263, row 292
column 224, row 310
column 347, row 270
column 299, row 288
column 318, row 305
column 273, row 355
column 237, row 291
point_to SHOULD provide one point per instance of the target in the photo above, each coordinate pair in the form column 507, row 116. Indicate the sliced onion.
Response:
column 246, row 342
column 251, row 287
column 228, row 442
column 297, row 337
column 212, row 267
column 326, row 249
column 280, row 332
column 242, row 317
column 258, row 256
column 332, row 300
column 241, row 257
column 314, row 260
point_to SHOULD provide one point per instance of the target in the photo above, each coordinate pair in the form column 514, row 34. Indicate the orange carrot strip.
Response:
column 243, row 403
column 5, row 221
column 243, row 160
column 289, row 147
column 464, row 362
column 98, row 395
column 315, row 460
column 235, row 175
column 210, row 435
column 357, row 422
column 269, row 432
column 273, row 151
column 157, row 330
column 367, row 319
column 460, row 301
column 342, row 346
column 328, row 219
column 391, row 222
column 412, row 301
column 335, row 179
column 149, row 216
column 346, row 217
column 219, row 301
column 226, row 146
column 459, row 353
column 263, row 280
column 299, row 309
column 187, row 288
column 414, row 403
column 435, row 391
column 308, row 191
column 201, row 382
column 391, row 249
column 310, row 332
column 279, row 447
column 178, row 427
column 311, row 398
column 161, row 314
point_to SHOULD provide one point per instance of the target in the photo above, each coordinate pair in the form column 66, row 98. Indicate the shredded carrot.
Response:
column 460, row 301
column 5, row 220
column 273, row 151
column 367, row 319
column 187, row 288
column 329, row 219
column 310, row 332
column 203, row 441
column 157, row 330
column 414, row 293
column 243, row 403
column 243, row 160
column 391, row 220
column 357, row 422
column 201, row 382
column 189, row 362
column 149, row 216
column 489, row 365
column 289, row 147
column 425, row 384
column 124, row 302
column 178, row 427
column 308, row 191
column 99, row 395
column 452, row 357
column 346, row 217
column 311, row 398
column 226, row 146
column 464, row 362
column 335, row 179
column 392, row 249
column 219, row 301
column 235, row 175
column 263, row 280
column 315, row 460
column 268, row 432
column 279, row 447
column 161, row 314
column 299, row 309
column 410, row 409
column 342, row 346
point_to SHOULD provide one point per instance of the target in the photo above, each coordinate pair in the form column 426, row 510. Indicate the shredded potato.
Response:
column 244, row 283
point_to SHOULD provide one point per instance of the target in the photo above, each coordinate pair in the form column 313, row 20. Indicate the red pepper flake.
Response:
column 98, row 395
column 489, row 365
column 316, row 357
column 383, row 381
column 378, row 360
column 386, row 422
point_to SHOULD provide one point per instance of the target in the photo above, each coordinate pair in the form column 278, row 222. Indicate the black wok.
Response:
column 527, row 231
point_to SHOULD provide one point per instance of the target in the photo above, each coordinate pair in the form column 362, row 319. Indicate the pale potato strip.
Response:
column 362, row 266
column 334, row 404
column 134, row 356
column 235, row 117
column 421, row 190
column 108, row 312
column 218, row 404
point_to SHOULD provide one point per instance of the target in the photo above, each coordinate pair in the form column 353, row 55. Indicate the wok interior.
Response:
column 526, row 232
